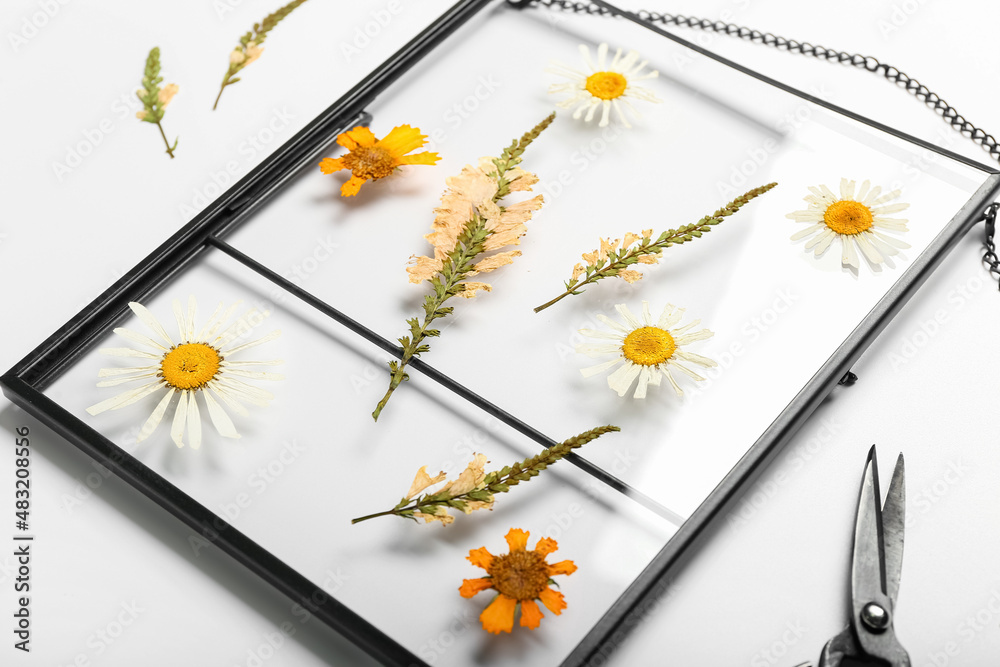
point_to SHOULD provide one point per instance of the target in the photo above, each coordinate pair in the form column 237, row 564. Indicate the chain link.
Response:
column 869, row 63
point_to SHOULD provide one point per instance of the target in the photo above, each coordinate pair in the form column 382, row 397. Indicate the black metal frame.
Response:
column 23, row 384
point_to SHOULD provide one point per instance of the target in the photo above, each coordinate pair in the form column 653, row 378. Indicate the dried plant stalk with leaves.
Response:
column 155, row 99
column 474, row 489
column 250, row 46
column 469, row 224
column 615, row 257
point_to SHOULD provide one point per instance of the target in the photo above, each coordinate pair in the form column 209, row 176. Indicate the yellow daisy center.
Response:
column 848, row 217
column 190, row 366
column 521, row 575
column 606, row 85
column 649, row 346
column 370, row 162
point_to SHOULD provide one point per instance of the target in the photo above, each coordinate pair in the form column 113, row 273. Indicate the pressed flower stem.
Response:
column 218, row 97
column 170, row 151
column 456, row 267
column 498, row 481
column 627, row 257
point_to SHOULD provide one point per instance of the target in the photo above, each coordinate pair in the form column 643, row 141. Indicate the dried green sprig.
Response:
column 469, row 224
column 155, row 99
column 612, row 260
column 250, row 46
column 475, row 489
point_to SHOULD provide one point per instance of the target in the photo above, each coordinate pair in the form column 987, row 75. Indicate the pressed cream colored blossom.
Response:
column 857, row 218
column 521, row 578
column 603, row 86
column 199, row 363
column 474, row 489
column 472, row 233
column 645, row 349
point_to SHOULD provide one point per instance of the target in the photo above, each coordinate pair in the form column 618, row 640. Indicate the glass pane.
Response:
column 777, row 311
column 313, row 459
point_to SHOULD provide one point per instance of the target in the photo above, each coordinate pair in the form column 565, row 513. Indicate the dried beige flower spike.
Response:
column 474, row 488
column 250, row 46
column 155, row 99
column 616, row 257
column 470, row 224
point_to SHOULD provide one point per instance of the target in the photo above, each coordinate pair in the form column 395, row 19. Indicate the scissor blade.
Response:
column 893, row 520
column 867, row 566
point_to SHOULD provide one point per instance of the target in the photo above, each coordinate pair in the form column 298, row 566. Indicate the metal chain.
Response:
column 869, row 63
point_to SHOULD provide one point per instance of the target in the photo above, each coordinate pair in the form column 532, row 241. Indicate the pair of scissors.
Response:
column 869, row 638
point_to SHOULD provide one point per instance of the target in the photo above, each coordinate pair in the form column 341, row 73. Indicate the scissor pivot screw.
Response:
column 875, row 617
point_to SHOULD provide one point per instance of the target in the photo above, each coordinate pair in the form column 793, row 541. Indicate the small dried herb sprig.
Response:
column 250, row 46
column 611, row 260
column 155, row 99
column 469, row 223
column 475, row 489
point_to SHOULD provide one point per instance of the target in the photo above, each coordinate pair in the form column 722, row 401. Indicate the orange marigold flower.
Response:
column 370, row 159
column 520, row 577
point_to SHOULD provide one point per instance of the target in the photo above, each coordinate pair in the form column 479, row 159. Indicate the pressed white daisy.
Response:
column 858, row 218
column 646, row 350
column 603, row 86
column 198, row 364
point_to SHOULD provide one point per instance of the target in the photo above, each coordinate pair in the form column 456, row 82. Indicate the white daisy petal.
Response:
column 180, row 420
column 684, row 369
column 193, row 421
column 695, row 359
column 156, row 417
column 125, row 398
column 868, row 249
column 599, row 350
column 623, row 377
column 604, row 335
column 894, row 242
column 229, row 400
column 203, row 333
column 640, row 388
column 122, row 380
column 223, row 424
column 181, row 320
column 246, row 346
column 848, row 255
column 627, row 315
column 824, row 242
column 128, row 352
column 112, row 372
column 614, row 325
column 808, row 231
column 670, row 378
column 147, row 318
column 600, row 368
column 671, row 316
column 255, row 375
column 863, row 191
column 647, row 317
column 889, row 208
column 139, row 338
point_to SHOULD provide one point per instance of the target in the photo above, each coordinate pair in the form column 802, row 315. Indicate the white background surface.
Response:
column 767, row 587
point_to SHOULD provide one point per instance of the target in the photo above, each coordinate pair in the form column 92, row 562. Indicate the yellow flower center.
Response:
column 370, row 162
column 649, row 346
column 606, row 85
column 848, row 217
column 521, row 575
column 190, row 366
